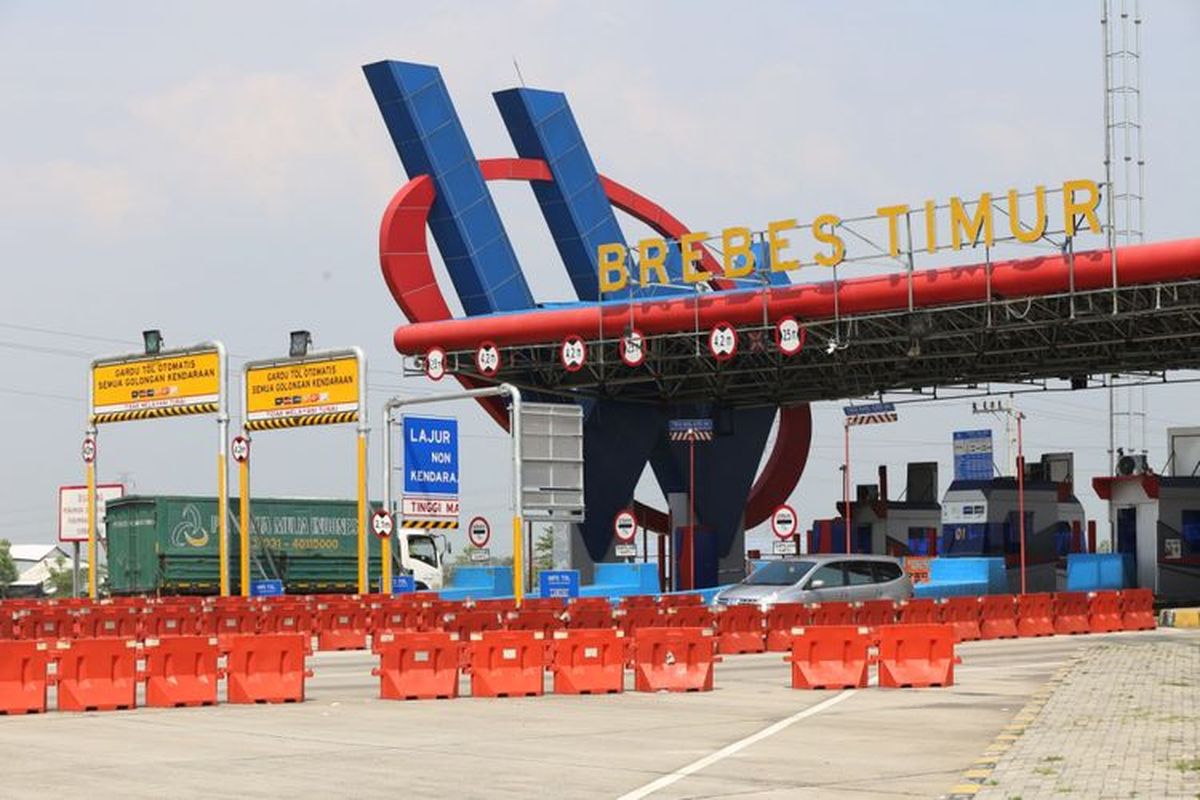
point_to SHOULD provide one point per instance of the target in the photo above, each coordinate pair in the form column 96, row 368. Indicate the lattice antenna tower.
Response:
column 1125, row 184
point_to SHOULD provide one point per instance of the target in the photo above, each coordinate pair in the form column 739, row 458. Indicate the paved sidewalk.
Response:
column 1121, row 721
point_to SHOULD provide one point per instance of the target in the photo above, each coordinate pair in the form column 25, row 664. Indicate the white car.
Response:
column 823, row 578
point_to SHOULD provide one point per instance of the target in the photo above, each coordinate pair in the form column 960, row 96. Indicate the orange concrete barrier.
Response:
column 341, row 626
column 108, row 622
column 171, row 621
column 417, row 666
column 507, row 664
column 916, row 655
column 397, row 617
column 673, row 659
column 997, row 617
column 632, row 619
column 874, row 613
column 181, row 671
column 635, row 601
column 588, row 661
column 781, row 618
column 96, row 674
column 1137, row 610
column 289, row 618
column 1070, row 612
column 740, row 630
column 1035, row 614
column 1104, row 612
column 45, row 622
column 591, row 617
column 465, row 624
column 545, row 622
column 680, row 600
column 552, row 604
column 23, row 679
column 832, row 614
column 829, row 657
column 962, row 614
column 232, row 620
column 919, row 611
column 690, row 616
column 267, row 668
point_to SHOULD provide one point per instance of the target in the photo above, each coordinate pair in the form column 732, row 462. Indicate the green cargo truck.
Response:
column 168, row 545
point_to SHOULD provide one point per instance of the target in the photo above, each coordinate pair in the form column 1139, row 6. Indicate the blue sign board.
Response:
column 269, row 588
column 559, row 582
column 973, row 455
column 430, row 456
column 701, row 425
column 403, row 584
column 869, row 408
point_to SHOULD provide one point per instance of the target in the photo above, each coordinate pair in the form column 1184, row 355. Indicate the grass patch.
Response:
column 1053, row 758
column 1188, row 764
column 1045, row 771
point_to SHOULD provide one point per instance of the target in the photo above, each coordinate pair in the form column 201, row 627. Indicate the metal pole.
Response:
column 92, row 514
column 364, row 586
column 223, row 469
column 244, row 521
column 74, row 569
column 514, row 395
column 1021, row 494
column 691, row 533
column 846, row 486
column 386, row 547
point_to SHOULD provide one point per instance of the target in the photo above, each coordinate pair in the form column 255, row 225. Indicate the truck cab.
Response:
column 423, row 555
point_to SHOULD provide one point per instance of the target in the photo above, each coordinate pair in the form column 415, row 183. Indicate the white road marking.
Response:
column 735, row 747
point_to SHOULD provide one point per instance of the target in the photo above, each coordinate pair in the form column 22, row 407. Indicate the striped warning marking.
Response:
column 278, row 423
column 154, row 413
column 440, row 524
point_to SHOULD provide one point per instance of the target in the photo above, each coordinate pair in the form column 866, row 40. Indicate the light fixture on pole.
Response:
column 997, row 408
column 299, row 342
column 152, row 341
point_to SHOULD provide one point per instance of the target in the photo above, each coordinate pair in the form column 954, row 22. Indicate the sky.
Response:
column 219, row 169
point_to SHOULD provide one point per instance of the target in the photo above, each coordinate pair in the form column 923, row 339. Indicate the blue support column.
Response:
column 425, row 128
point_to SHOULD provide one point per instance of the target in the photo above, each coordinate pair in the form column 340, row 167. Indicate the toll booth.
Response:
column 981, row 518
column 1156, row 518
column 882, row 525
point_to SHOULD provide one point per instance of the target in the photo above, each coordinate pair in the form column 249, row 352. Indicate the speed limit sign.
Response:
column 239, row 448
column 381, row 523
column 487, row 359
column 722, row 341
column 88, row 449
column 573, row 353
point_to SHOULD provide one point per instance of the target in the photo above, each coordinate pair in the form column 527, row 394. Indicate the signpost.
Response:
column 435, row 364
column 403, row 584
column 691, row 431
column 559, row 583
column 552, row 462
column 789, row 336
column 430, row 498
column 381, row 523
column 320, row 388
column 973, row 455
column 868, row 414
column 155, row 384
column 487, row 359
column 784, row 524
column 74, row 509
column 266, row 588
column 722, row 341
column 573, row 353
column 632, row 348
column 625, row 531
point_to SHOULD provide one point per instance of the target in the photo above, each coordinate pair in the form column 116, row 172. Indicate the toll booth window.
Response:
column 830, row 575
column 779, row 573
column 859, row 573
column 422, row 549
column 1190, row 530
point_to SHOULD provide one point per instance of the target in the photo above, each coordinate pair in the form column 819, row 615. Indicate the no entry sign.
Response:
column 624, row 526
column 479, row 532
column 783, row 522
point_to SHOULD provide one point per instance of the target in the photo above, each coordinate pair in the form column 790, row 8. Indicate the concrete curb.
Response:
column 1179, row 618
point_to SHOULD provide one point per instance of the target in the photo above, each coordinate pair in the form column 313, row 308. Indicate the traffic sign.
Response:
column 625, row 550
column 430, row 456
column 88, row 449
column 266, row 588
column 559, row 582
column 625, row 526
column 479, row 532
column 435, row 364
column 722, row 341
column 73, row 510
column 487, row 359
column 785, row 547
column 789, row 336
column 403, row 584
column 382, row 523
column 632, row 348
column 573, row 353
column 783, row 522
column 481, row 554
column 239, row 448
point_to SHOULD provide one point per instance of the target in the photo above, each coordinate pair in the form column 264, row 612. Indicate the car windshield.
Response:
column 779, row 573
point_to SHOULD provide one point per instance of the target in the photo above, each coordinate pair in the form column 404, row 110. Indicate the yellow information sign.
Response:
column 318, row 392
column 156, row 386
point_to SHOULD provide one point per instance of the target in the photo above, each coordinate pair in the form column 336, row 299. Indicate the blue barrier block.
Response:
column 622, row 580
column 479, row 583
column 970, row 569
column 939, row 589
column 1089, row 572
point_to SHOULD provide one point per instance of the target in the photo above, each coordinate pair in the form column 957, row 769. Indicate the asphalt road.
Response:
column 751, row 737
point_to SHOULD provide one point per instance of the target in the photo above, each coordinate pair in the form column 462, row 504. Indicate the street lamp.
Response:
column 997, row 408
